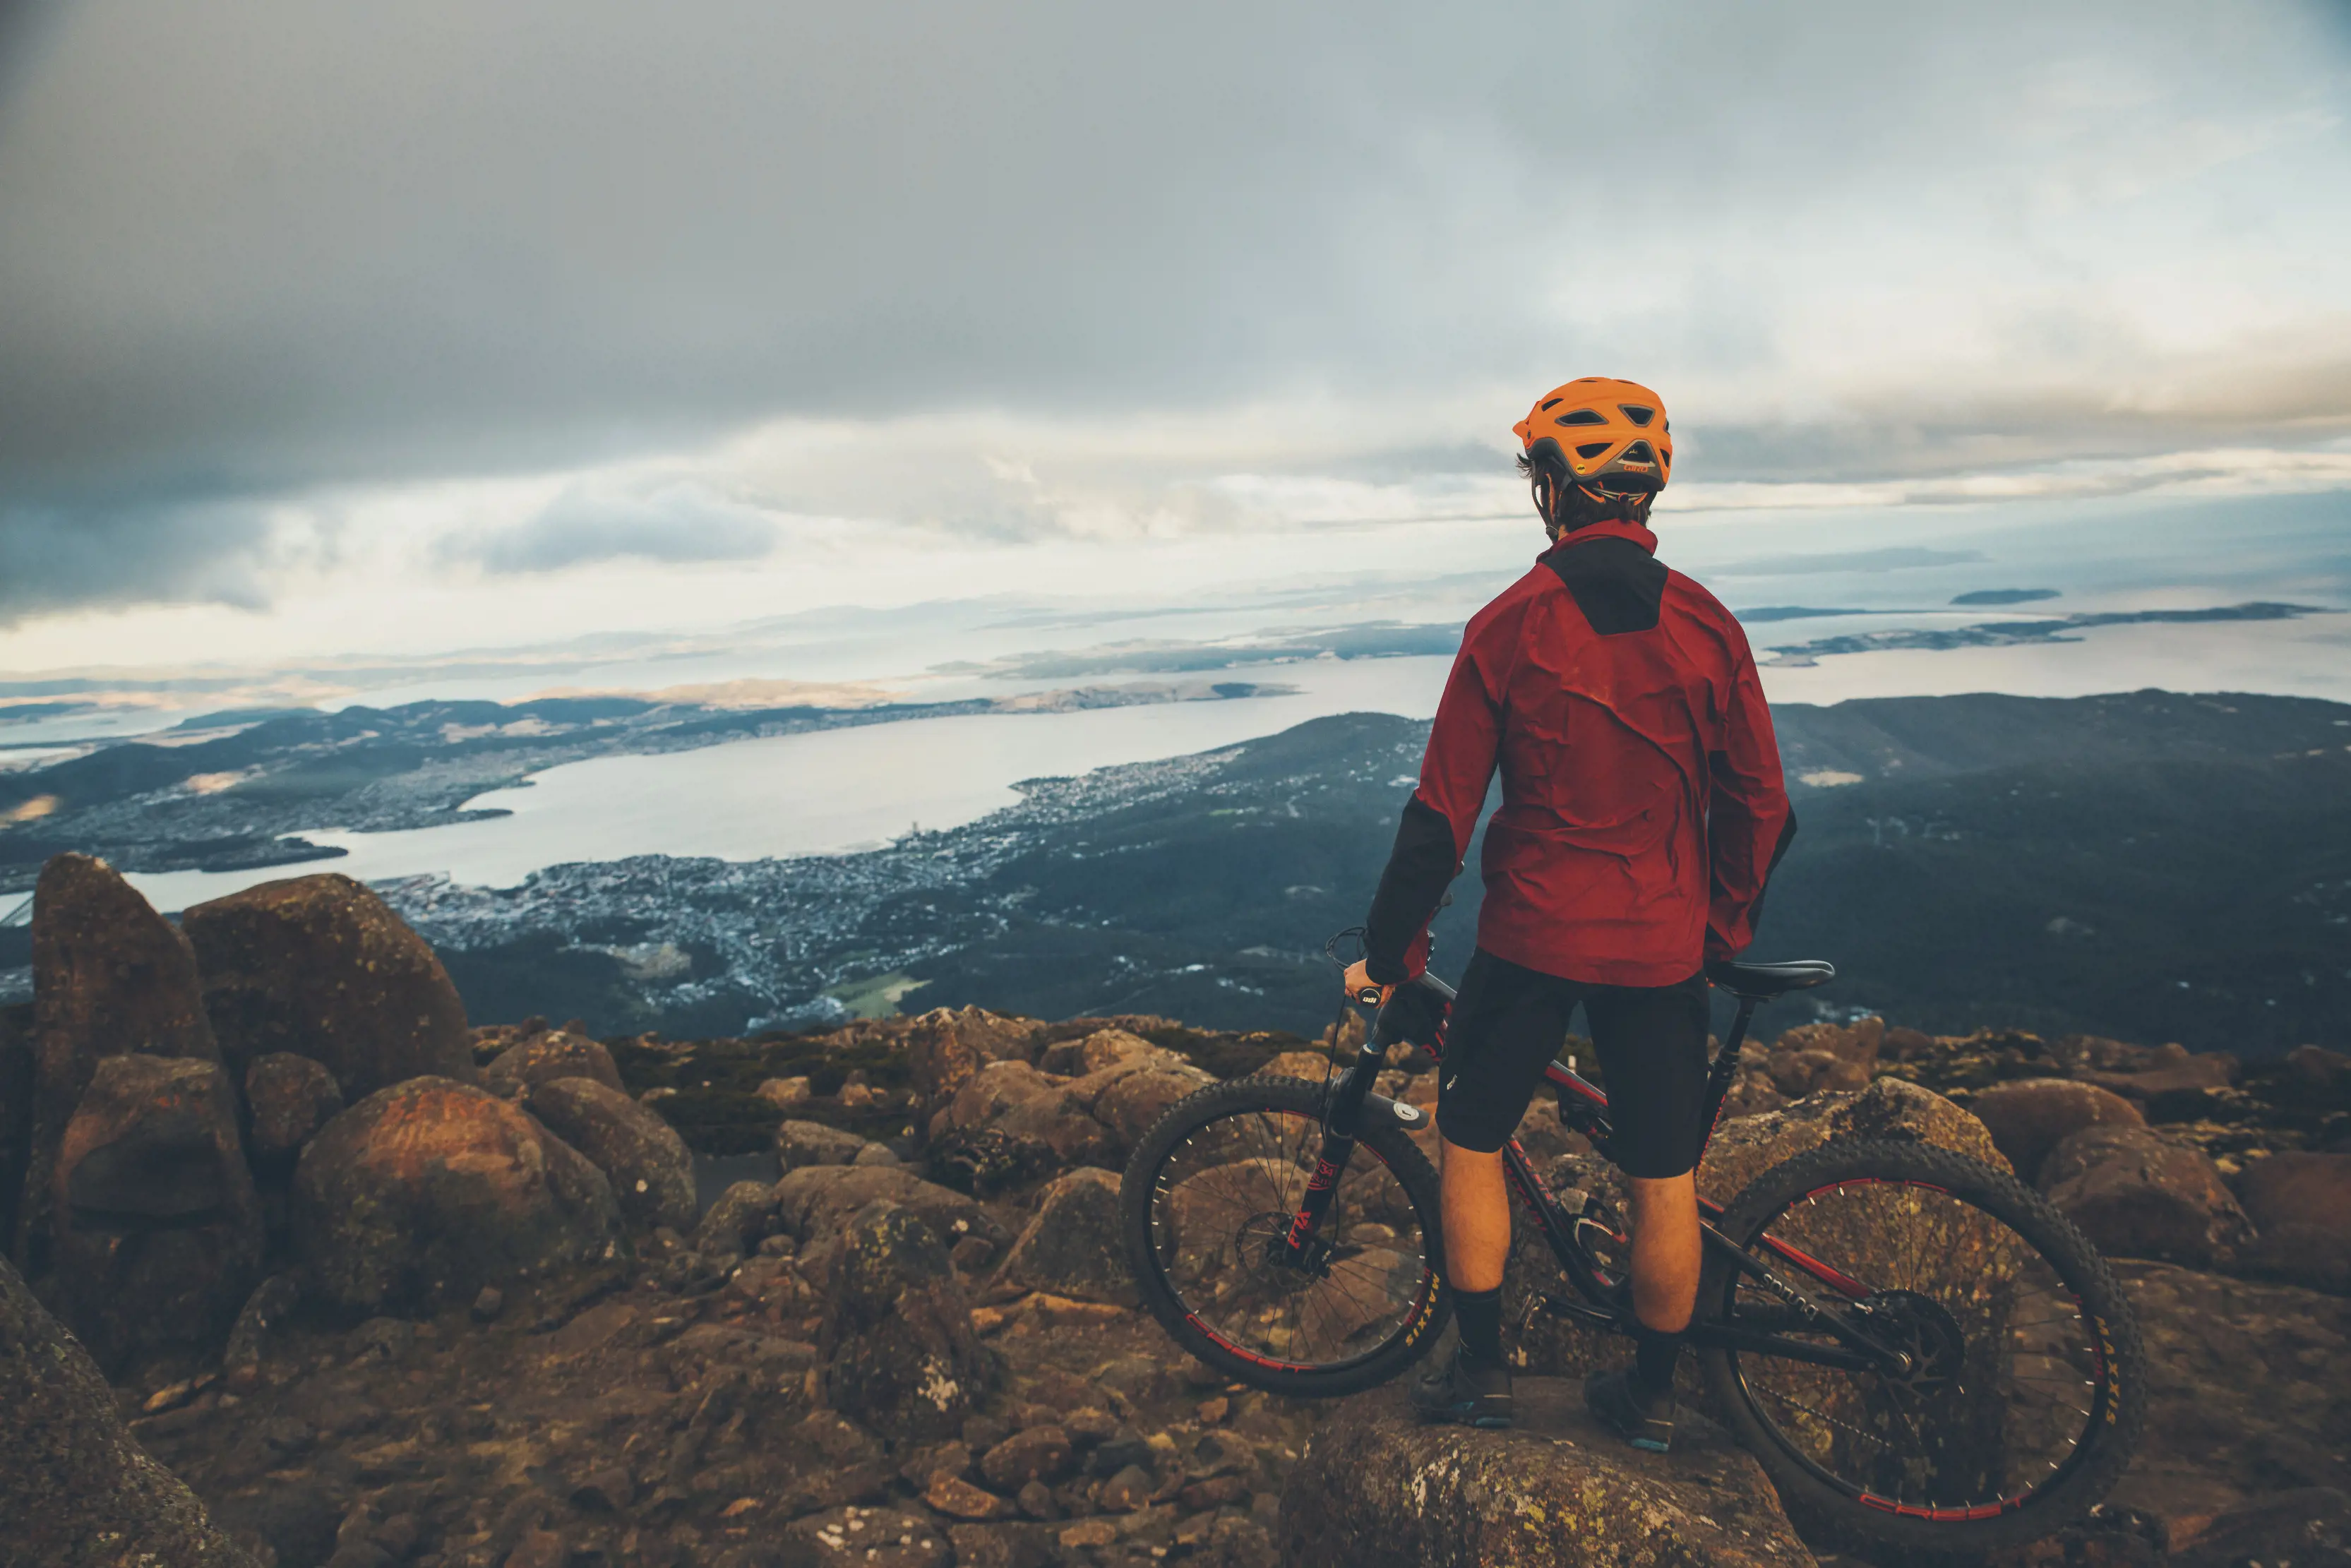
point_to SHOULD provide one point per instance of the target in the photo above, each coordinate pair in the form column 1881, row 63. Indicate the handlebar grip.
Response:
column 1369, row 996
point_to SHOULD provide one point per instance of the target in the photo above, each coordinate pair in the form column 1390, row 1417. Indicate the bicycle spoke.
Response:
column 1994, row 1345
column 1224, row 1202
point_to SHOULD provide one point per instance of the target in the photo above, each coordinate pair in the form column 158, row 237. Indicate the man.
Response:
column 1642, row 811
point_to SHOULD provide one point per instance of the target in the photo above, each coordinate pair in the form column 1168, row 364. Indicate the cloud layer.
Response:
column 1069, row 270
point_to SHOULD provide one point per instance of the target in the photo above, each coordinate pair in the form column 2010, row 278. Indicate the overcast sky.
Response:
column 421, row 322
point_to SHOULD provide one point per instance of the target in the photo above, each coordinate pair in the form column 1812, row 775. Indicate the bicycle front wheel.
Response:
column 1209, row 1198
column 2023, row 1391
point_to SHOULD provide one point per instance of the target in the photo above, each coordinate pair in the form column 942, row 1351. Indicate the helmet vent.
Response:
column 1583, row 416
column 1589, row 448
column 1640, row 416
column 1639, row 452
column 1550, row 403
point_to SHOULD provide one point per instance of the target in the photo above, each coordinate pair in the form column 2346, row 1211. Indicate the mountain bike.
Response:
column 1924, row 1355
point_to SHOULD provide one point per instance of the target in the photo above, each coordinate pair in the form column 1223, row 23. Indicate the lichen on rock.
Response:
column 1378, row 1488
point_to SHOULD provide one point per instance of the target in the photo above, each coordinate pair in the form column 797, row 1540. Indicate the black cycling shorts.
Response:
column 1510, row 1022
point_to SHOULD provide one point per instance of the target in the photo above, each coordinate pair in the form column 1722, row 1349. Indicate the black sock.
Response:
column 1654, row 1356
column 1480, row 1316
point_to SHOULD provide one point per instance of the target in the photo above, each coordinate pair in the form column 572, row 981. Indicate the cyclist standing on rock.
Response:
column 1642, row 811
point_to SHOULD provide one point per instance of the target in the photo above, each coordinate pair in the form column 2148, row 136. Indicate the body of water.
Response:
column 827, row 791
column 838, row 790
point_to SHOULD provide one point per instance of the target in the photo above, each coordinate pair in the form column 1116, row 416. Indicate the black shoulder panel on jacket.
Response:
column 1616, row 584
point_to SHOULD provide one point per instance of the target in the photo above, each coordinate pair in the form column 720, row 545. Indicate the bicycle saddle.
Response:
column 1761, row 982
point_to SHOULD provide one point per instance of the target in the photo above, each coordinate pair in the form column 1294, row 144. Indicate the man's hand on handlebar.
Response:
column 1363, row 989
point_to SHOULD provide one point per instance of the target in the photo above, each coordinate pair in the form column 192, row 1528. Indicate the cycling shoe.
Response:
column 1643, row 1419
column 1466, row 1390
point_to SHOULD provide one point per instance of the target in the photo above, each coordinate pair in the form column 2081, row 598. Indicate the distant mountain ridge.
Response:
column 2146, row 865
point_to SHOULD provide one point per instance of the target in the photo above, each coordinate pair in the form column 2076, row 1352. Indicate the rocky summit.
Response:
column 306, row 1272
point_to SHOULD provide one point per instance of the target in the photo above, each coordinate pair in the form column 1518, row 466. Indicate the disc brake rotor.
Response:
column 1261, row 1243
column 1920, row 1328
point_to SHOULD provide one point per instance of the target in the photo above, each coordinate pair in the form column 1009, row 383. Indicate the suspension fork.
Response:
column 1343, row 1116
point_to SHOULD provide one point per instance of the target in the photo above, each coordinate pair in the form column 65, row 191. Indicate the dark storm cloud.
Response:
column 274, row 244
column 131, row 551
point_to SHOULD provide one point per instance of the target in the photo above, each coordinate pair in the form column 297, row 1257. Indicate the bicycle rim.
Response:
column 1222, row 1199
column 2012, row 1386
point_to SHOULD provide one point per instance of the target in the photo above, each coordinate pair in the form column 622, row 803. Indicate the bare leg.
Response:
column 1665, row 1251
column 1477, row 1205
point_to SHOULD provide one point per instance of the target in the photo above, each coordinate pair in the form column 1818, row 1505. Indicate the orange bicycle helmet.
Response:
column 1599, row 434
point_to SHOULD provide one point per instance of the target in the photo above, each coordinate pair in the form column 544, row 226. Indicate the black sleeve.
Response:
column 1419, row 869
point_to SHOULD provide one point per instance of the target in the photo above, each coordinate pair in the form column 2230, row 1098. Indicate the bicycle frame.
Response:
column 1584, row 1107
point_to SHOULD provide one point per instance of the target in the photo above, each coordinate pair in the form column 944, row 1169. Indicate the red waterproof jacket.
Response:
column 1642, row 801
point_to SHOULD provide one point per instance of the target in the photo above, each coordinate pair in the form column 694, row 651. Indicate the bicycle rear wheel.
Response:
column 2025, row 1393
column 1206, row 1202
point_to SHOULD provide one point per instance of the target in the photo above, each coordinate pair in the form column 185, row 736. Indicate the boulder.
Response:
column 2169, row 1081
column 74, row 1487
column 159, row 1232
column 1131, row 1105
column 2027, row 1117
column 743, row 1217
column 986, row 1161
column 802, row 1144
column 266, row 1311
column 1814, row 1057
column 2300, row 1205
column 1743, row 1150
column 899, row 1354
column 1071, row 1247
column 288, row 1098
column 1037, row 1454
column 1104, row 1048
column 2135, row 1195
column 784, row 1094
column 320, row 967
column 991, row 1092
column 946, row 1046
column 650, row 1168
column 817, row 1201
column 2247, row 1382
column 110, row 977
column 1313, row 1066
column 1063, row 1122
column 424, row 1192
column 545, row 1057
column 1375, row 1489
column 2307, row 1525
column 1904, row 1044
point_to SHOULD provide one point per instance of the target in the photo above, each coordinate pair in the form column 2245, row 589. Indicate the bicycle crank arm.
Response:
column 1576, row 1313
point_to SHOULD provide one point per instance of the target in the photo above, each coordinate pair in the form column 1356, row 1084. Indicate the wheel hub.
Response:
column 1262, row 1245
column 1916, row 1327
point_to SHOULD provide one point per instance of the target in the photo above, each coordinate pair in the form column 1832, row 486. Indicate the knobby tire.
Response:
column 1826, row 1511
column 1140, row 1201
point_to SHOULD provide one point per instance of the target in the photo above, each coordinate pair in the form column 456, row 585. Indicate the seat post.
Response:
column 1725, row 1067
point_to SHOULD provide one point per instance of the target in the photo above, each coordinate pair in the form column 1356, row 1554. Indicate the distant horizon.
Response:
column 382, row 336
